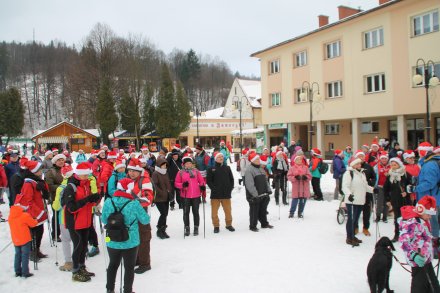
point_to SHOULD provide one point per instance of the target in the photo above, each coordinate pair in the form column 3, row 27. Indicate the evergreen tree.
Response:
column 148, row 110
column 184, row 108
column 4, row 64
column 166, row 111
column 127, row 110
column 11, row 114
column 105, row 111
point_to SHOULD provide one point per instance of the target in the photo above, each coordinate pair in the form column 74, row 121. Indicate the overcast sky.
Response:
column 229, row 29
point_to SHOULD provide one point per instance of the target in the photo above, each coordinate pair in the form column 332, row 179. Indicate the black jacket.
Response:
column 256, row 182
column 221, row 181
column 393, row 192
column 369, row 173
column 173, row 167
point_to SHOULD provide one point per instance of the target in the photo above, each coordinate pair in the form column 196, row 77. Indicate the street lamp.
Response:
column 428, row 81
column 308, row 90
column 198, row 113
column 239, row 101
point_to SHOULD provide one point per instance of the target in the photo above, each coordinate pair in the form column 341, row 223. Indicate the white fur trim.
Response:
column 57, row 157
column 255, row 158
column 397, row 160
column 83, row 171
column 406, row 155
column 120, row 166
column 148, row 186
column 219, row 154
column 355, row 162
column 37, row 167
column 40, row 215
column 135, row 168
column 112, row 157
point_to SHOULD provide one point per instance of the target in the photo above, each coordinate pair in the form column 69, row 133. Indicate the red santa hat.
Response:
column 316, row 152
column 65, row 152
column 365, row 146
column 253, row 156
column 33, row 166
column 426, row 205
column 104, row 146
column 222, row 141
column 121, row 151
column 47, row 153
column 338, row 152
column 217, row 154
column 245, row 151
column 263, row 159
column 424, row 148
column 348, row 147
column 67, row 171
column 58, row 157
column 186, row 158
column 83, row 169
column 112, row 155
column 176, row 147
column 100, row 151
column 36, row 152
column 383, row 155
column 54, row 150
column 359, row 153
column 397, row 160
column 23, row 163
column 125, row 184
column 144, row 148
column 119, row 164
column 408, row 154
column 375, row 142
column 134, row 165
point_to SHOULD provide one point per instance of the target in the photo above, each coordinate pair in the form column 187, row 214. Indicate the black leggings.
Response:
column 37, row 233
column 93, row 237
column 79, row 239
column 316, row 185
column 193, row 203
column 421, row 278
column 116, row 255
column 163, row 210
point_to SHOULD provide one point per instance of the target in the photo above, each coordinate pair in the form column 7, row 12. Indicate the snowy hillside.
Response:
column 308, row 255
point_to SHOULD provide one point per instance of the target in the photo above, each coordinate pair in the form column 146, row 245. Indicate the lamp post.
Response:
column 197, row 113
column 239, row 101
column 308, row 90
column 428, row 81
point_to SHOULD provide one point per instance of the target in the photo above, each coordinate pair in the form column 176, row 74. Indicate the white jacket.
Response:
column 358, row 186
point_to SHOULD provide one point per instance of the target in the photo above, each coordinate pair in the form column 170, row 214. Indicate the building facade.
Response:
column 362, row 69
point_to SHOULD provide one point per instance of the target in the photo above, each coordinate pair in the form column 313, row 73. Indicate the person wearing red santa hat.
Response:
column 121, row 155
column 98, row 164
column 55, row 151
column 47, row 162
column 225, row 151
column 381, row 169
column 416, row 242
column 106, row 172
column 32, row 195
column 280, row 166
column 373, row 155
column 150, row 159
column 315, row 163
column 339, row 168
column 412, row 169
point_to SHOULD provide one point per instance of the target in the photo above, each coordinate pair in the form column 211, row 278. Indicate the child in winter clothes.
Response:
column 299, row 175
column 416, row 241
column 163, row 189
column 412, row 169
column 191, row 183
column 19, row 223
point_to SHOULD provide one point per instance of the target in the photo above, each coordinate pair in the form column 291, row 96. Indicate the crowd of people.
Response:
column 118, row 191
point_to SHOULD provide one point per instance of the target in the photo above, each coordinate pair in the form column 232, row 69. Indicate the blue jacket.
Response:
column 429, row 178
column 224, row 150
column 338, row 167
column 11, row 169
column 111, row 184
column 133, row 213
column 80, row 158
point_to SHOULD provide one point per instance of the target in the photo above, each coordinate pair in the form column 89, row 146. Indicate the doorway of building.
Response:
column 303, row 137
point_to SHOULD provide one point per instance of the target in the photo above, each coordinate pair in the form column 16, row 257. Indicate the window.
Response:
column 77, row 141
column 274, row 66
column 375, row 83
column 334, row 89
column 419, row 70
column 370, row 127
column 425, row 23
column 373, row 38
column 275, row 99
column 332, row 128
column 301, row 59
column 333, row 50
column 298, row 99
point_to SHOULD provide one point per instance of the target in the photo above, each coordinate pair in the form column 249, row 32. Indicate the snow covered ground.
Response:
column 308, row 255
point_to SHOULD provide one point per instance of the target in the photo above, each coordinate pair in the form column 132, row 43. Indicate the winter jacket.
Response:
column 221, row 181
column 393, row 153
column 31, row 198
column 11, row 169
column 256, row 182
column 415, row 236
column 47, row 164
column 269, row 165
column 429, row 178
column 3, row 178
column 244, row 163
column 291, row 150
column 150, row 158
column 78, row 206
column 226, row 154
column 53, row 178
column 381, row 172
column 19, row 223
column 372, row 158
column 161, row 183
column 37, row 159
column 113, row 181
column 143, row 189
column 193, row 189
column 106, row 173
column 358, row 186
column 300, row 188
column 314, row 166
column 173, row 167
column 133, row 213
column 393, row 190
column 369, row 174
column 338, row 167
column 277, row 164
column 97, row 169
column 81, row 158
column 202, row 161
column 347, row 157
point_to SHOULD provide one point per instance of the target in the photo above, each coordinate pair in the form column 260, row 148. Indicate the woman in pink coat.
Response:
column 191, row 184
column 299, row 175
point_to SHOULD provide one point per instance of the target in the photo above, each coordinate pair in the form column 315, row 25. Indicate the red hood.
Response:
column 408, row 212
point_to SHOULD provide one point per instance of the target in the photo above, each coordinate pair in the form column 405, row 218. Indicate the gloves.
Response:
column 410, row 188
column 351, row 198
column 94, row 198
column 41, row 185
column 376, row 190
column 185, row 184
column 202, row 187
column 304, row 177
column 418, row 259
column 298, row 177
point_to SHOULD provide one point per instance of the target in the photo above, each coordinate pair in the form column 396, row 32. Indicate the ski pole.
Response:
column 122, row 268
column 56, row 238
column 203, row 203
column 48, row 224
column 102, row 240
column 4, row 248
column 352, row 224
column 34, row 250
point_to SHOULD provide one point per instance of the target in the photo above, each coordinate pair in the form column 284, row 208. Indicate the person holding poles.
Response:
column 299, row 175
column 191, row 185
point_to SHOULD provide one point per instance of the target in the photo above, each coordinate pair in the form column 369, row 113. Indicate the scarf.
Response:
column 160, row 170
column 190, row 171
column 282, row 164
column 396, row 175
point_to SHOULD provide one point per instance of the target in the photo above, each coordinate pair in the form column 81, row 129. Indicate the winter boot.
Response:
column 351, row 242
column 290, row 216
column 366, row 232
column 300, row 216
column 34, row 257
column 267, row 226
column 187, row 231
column 110, row 291
column 196, row 230
column 77, row 277
column 41, row 255
column 67, row 267
column 85, row 272
column 142, row 269
column 357, row 239
column 230, row 228
column 93, row 251
column 253, row 229
column 160, row 233
column 28, row 275
column 216, row 229
column 165, row 232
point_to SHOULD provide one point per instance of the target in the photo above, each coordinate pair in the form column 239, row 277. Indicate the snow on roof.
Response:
column 252, row 90
column 212, row 114
column 117, row 133
column 59, row 123
column 94, row 132
column 248, row 131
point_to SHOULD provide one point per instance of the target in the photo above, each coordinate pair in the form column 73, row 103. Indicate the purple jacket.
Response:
column 193, row 189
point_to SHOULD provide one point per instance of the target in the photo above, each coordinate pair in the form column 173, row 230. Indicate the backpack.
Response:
column 116, row 230
column 340, row 180
column 64, row 188
column 323, row 167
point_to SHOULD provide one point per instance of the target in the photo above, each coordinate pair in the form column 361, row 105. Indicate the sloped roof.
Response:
column 252, row 91
column 40, row 132
column 212, row 114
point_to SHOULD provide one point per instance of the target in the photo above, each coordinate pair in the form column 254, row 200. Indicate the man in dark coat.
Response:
column 339, row 168
column 174, row 165
column 221, row 182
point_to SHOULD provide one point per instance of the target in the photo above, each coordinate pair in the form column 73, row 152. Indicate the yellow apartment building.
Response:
column 362, row 69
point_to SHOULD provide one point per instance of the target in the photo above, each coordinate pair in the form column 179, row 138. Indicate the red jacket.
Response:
column 106, row 172
column 381, row 170
column 3, row 178
column 145, row 192
column 78, row 213
column 31, row 198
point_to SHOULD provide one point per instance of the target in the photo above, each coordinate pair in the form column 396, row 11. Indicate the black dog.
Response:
column 379, row 267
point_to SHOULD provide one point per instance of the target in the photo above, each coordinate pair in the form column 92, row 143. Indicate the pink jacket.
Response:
column 300, row 188
column 193, row 189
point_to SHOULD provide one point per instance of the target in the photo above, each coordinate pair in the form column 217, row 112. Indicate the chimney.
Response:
column 323, row 20
column 383, row 1
column 345, row 11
